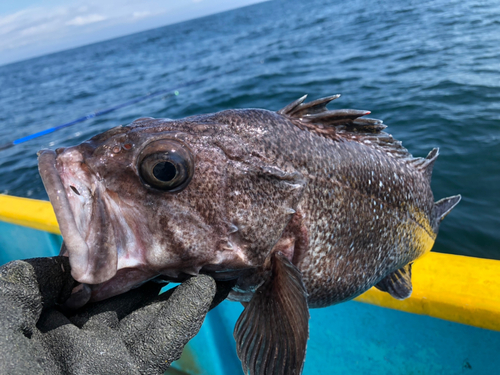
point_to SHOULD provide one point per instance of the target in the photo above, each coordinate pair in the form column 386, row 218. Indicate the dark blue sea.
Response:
column 429, row 69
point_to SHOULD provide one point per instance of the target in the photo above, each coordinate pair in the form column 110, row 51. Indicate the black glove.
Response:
column 138, row 332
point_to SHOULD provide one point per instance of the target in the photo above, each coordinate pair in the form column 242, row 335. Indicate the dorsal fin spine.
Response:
column 335, row 116
column 316, row 106
column 290, row 107
column 445, row 205
column 443, row 208
column 426, row 164
column 344, row 125
column 430, row 159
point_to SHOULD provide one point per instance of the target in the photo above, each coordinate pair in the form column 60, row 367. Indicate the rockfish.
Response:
column 304, row 207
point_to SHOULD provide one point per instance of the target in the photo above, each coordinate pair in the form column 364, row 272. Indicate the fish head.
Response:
column 163, row 197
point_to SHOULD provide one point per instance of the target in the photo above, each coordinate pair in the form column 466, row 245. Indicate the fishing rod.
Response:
column 172, row 90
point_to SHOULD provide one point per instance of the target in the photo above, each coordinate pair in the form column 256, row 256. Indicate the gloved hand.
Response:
column 138, row 332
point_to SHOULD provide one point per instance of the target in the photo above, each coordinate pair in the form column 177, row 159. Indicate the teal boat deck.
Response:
column 350, row 338
column 358, row 338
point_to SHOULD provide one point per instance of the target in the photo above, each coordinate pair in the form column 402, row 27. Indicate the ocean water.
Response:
column 429, row 69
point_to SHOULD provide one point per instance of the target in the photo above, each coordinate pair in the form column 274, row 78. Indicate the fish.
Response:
column 301, row 208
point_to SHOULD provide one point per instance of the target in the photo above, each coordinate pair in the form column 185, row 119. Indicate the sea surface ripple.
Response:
column 429, row 69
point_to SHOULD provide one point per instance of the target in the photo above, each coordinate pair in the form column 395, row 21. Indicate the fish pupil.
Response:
column 165, row 165
column 165, row 171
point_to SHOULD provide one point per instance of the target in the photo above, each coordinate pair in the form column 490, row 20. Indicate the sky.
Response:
column 30, row 28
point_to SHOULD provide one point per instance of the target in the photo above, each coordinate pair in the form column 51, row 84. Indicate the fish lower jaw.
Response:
column 177, row 274
column 123, row 281
column 89, row 278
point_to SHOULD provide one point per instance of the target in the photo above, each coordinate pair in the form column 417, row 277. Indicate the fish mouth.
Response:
column 88, row 265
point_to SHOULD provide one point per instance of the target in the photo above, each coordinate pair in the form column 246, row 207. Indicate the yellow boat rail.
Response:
column 30, row 213
column 451, row 287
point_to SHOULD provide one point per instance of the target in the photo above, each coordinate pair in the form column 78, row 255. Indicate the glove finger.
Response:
column 54, row 279
column 223, row 289
column 85, row 351
column 157, row 333
column 109, row 312
column 19, row 293
column 23, row 294
column 36, row 283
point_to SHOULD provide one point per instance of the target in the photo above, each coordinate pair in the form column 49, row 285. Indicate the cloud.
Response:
column 141, row 14
column 85, row 20
column 27, row 27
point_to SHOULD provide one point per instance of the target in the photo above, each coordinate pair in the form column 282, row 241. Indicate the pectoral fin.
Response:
column 398, row 283
column 271, row 334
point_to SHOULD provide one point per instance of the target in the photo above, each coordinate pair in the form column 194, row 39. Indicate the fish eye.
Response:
column 166, row 165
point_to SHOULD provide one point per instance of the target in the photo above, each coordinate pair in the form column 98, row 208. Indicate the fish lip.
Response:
column 76, row 245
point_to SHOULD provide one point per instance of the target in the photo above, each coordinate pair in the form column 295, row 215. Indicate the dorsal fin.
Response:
column 444, row 206
column 347, row 125
column 288, row 110
column 426, row 164
column 299, row 108
column 316, row 113
column 343, row 125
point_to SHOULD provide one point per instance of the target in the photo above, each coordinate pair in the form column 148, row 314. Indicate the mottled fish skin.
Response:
column 301, row 207
column 364, row 212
